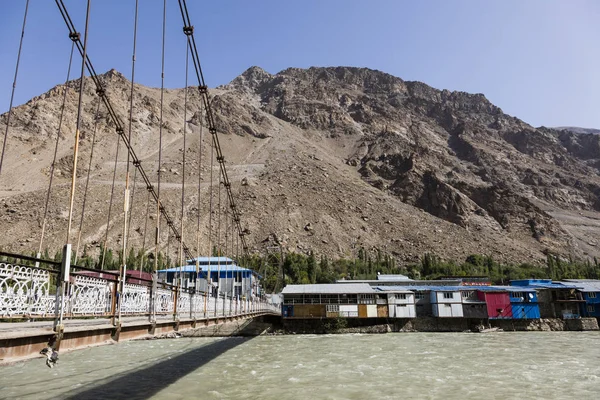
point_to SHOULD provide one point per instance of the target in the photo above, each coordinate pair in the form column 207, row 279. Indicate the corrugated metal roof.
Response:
column 549, row 285
column 497, row 288
column 421, row 288
column 390, row 289
column 329, row 288
column 396, row 277
column 586, row 285
column 456, row 288
column 402, row 282
column 204, row 268
column 212, row 260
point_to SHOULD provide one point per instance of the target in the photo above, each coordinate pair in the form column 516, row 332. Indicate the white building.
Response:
column 401, row 302
column 446, row 302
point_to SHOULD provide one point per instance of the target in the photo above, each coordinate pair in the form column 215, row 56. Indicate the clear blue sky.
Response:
column 537, row 59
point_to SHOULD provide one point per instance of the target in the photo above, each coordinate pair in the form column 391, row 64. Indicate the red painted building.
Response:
column 498, row 303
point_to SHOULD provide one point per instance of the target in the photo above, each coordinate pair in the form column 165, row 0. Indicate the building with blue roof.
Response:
column 215, row 274
column 590, row 290
column 555, row 299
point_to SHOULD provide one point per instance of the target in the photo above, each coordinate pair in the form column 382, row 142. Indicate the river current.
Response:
column 532, row 365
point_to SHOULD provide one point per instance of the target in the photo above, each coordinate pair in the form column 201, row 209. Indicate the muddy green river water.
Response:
column 534, row 365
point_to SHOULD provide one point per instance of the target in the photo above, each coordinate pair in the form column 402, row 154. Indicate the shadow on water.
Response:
column 146, row 382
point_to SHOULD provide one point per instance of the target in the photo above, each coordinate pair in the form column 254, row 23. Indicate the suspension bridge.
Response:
column 65, row 304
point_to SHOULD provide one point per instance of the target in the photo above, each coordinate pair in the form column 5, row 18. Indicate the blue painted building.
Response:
column 590, row 289
column 524, row 302
column 555, row 299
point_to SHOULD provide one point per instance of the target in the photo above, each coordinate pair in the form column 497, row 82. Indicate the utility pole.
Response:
column 281, row 270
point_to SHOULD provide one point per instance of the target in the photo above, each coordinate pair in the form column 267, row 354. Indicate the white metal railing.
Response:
column 25, row 292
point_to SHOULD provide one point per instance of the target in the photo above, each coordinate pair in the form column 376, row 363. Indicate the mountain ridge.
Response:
column 328, row 159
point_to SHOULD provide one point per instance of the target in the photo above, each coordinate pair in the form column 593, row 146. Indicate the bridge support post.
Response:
column 153, row 294
column 175, row 314
column 116, row 332
column 152, row 328
column 61, row 282
column 114, row 303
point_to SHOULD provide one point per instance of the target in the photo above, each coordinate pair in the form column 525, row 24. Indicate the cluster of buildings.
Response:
column 396, row 296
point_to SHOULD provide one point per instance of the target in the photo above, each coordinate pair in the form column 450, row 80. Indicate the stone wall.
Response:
column 431, row 324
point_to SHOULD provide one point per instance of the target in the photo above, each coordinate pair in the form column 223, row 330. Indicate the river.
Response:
column 540, row 365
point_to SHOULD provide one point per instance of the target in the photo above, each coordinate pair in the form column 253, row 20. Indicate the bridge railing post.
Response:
column 61, row 282
column 176, row 302
column 153, row 295
column 114, row 302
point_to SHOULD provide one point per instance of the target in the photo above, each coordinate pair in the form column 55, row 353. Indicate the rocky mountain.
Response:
column 577, row 129
column 321, row 159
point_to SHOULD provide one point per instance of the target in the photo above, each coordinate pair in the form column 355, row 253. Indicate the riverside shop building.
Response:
column 354, row 300
column 446, row 302
column 590, row 290
column 399, row 302
column 555, row 299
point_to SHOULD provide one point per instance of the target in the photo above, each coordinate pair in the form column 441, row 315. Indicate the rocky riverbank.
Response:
column 430, row 324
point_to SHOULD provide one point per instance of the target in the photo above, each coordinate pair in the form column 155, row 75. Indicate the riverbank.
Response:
column 431, row 324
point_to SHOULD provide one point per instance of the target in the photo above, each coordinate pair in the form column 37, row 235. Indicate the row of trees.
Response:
column 306, row 269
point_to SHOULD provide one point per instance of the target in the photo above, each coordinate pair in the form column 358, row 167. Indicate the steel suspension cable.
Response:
column 162, row 89
column 199, row 208
column 141, row 267
column 188, row 29
column 210, row 213
column 117, row 122
column 132, row 203
column 182, row 220
column 60, row 287
column 232, row 235
column 168, row 250
column 87, row 181
column 52, row 166
column 210, row 210
column 112, row 195
column 126, row 198
column 218, row 246
column 237, row 250
column 78, row 123
column 225, row 254
column 14, row 86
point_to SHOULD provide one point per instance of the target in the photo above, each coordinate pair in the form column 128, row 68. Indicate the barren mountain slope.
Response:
column 325, row 159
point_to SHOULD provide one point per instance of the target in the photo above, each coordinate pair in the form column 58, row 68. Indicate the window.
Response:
column 592, row 295
column 419, row 295
column 447, row 305
column 590, row 309
column 448, row 295
column 518, row 295
column 367, row 299
column 402, row 296
column 332, row 308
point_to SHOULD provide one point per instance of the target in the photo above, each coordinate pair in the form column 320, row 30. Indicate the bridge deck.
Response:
column 22, row 340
